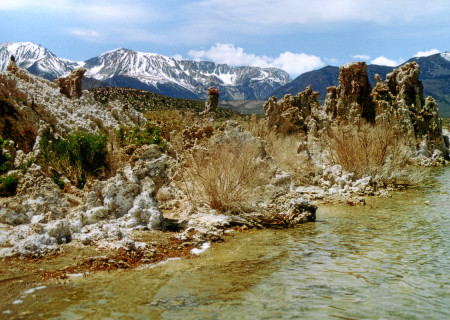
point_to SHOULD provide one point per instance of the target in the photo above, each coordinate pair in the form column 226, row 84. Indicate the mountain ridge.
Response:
column 150, row 71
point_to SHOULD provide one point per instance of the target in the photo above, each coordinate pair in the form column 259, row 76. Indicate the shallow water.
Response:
column 387, row 260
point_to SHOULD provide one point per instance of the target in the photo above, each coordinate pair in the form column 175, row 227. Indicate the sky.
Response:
column 294, row 35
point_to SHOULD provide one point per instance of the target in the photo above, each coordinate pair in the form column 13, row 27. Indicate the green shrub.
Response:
column 27, row 164
column 10, row 183
column 58, row 181
column 78, row 156
column 141, row 136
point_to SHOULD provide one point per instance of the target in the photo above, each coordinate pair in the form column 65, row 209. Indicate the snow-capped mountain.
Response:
column 151, row 71
column 190, row 78
column 36, row 59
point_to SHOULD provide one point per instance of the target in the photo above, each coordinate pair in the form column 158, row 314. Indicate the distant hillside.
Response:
column 435, row 75
column 143, row 101
column 244, row 106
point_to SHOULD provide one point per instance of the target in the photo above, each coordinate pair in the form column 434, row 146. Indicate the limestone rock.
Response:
column 37, row 197
column 70, row 86
column 294, row 212
column 12, row 67
column 292, row 114
column 129, row 194
column 351, row 101
column 212, row 101
column 400, row 99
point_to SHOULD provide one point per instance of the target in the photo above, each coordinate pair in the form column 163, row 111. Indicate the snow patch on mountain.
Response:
column 170, row 76
column 446, row 55
column 36, row 59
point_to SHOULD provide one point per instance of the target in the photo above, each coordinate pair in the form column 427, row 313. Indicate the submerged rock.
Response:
column 298, row 211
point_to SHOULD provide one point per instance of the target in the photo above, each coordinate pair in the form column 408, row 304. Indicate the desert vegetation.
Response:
column 5, row 158
column 78, row 157
column 222, row 173
column 366, row 148
column 144, row 101
column 116, row 159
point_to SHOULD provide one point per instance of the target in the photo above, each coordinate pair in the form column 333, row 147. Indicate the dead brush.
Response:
column 222, row 174
column 284, row 149
column 368, row 149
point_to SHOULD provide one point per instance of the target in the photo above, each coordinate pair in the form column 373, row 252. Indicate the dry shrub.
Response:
column 173, row 123
column 257, row 125
column 293, row 160
column 284, row 149
column 223, row 174
column 368, row 149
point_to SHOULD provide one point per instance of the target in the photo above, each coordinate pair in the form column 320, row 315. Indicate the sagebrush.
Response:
column 222, row 174
column 368, row 149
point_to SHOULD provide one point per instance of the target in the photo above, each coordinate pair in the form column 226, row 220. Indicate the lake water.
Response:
column 387, row 260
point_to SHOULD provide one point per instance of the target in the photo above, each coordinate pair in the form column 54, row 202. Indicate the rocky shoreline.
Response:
column 156, row 194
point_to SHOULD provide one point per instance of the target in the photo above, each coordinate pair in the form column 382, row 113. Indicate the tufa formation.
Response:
column 212, row 101
column 398, row 100
column 70, row 86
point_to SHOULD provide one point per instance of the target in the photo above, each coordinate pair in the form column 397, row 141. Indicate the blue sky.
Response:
column 296, row 36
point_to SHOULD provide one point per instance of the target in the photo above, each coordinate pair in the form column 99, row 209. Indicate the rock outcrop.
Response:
column 70, row 86
column 12, row 67
column 212, row 101
column 399, row 100
column 354, row 100
column 292, row 114
column 41, row 215
column 30, row 105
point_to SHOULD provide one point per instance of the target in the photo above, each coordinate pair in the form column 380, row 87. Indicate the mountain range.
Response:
column 150, row 71
column 434, row 74
column 191, row 79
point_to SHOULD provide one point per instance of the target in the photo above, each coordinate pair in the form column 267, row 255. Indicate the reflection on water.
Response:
column 388, row 260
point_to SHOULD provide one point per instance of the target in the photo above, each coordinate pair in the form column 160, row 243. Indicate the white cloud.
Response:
column 293, row 63
column 86, row 33
column 383, row 61
column 229, row 54
column 363, row 57
column 297, row 63
column 426, row 53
